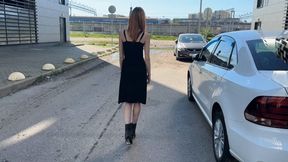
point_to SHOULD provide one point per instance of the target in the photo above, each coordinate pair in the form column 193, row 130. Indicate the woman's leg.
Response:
column 127, row 110
column 136, row 112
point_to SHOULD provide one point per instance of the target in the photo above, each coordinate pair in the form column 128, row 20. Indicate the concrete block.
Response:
column 69, row 61
column 84, row 57
column 48, row 67
column 15, row 76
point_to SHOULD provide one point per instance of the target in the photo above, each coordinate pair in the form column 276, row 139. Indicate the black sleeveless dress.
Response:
column 133, row 81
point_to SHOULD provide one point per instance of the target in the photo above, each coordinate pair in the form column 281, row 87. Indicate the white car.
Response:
column 241, row 87
column 188, row 44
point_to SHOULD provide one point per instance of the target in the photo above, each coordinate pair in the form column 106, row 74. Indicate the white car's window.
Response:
column 265, row 58
column 233, row 59
column 223, row 52
column 208, row 50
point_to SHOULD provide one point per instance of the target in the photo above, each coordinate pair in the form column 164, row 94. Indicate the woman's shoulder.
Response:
column 146, row 35
column 121, row 32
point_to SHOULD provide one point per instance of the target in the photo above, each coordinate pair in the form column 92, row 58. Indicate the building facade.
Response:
column 271, row 16
column 33, row 21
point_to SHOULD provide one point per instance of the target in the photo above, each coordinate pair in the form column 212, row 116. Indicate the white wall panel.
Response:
column 48, row 14
column 271, row 15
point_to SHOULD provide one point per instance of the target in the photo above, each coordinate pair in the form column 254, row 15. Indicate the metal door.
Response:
column 63, row 36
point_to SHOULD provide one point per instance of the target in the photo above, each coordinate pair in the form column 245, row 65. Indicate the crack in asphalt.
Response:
column 103, row 132
column 76, row 156
column 82, row 125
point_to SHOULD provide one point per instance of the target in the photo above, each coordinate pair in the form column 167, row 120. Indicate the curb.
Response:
column 19, row 85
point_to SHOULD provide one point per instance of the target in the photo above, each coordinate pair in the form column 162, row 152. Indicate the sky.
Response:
column 165, row 8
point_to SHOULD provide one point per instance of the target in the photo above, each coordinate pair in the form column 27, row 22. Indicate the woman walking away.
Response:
column 135, row 70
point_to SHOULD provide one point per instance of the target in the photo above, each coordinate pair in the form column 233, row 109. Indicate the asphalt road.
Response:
column 76, row 117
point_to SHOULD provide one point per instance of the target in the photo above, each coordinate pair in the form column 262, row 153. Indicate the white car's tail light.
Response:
column 268, row 111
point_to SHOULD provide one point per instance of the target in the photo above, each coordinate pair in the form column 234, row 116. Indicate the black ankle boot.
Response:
column 134, row 130
column 128, row 134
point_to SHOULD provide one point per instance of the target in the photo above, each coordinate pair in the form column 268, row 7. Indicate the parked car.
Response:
column 241, row 87
column 188, row 44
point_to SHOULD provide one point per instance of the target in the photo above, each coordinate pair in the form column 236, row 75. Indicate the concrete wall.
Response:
column 48, row 23
column 271, row 15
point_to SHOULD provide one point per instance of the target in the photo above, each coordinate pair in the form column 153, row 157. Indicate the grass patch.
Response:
column 163, row 37
column 91, row 35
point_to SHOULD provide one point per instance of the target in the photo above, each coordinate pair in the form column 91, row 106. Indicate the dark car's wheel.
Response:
column 177, row 58
column 176, row 55
column 189, row 89
column 220, row 139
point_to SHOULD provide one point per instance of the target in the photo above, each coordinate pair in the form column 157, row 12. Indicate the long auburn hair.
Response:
column 136, row 23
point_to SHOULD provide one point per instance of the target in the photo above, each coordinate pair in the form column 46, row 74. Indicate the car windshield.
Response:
column 265, row 56
column 190, row 38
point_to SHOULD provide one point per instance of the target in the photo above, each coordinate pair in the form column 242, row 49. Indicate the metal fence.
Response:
column 17, row 22
column 158, row 29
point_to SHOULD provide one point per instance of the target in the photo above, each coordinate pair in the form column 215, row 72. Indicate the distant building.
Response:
column 218, row 21
column 271, row 16
column 221, row 14
column 33, row 21
column 193, row 16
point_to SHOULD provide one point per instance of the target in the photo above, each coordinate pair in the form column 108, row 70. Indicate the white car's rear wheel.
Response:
column 220, row 139
column 189, row 89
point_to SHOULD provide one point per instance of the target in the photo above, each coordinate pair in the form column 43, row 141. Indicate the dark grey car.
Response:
column 188, row 44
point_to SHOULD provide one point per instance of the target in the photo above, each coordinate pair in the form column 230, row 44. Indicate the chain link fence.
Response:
column 157, row 29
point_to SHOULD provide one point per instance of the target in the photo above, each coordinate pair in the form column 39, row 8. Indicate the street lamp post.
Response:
column 200, row 17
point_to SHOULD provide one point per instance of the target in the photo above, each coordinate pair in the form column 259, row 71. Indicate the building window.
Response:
column 257, row 25
column 260, row 3
column 18, row 24
column 62, row 2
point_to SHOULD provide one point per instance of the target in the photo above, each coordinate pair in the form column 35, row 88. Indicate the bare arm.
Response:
column 147, row 57
column 121, row 52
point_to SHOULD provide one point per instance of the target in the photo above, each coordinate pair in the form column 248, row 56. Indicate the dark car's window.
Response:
column 265, row 57
column 190, row 38
column 208, row 49
column 223, row 51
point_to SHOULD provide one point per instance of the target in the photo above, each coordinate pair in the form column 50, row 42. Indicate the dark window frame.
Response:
column 257, row 25
column 260, row 3
column 62, row 2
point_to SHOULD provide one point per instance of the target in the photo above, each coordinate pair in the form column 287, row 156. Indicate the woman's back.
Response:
column 133, row 50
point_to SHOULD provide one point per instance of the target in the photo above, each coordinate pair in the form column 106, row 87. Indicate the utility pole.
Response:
column 200, row 17
column 112, row 10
